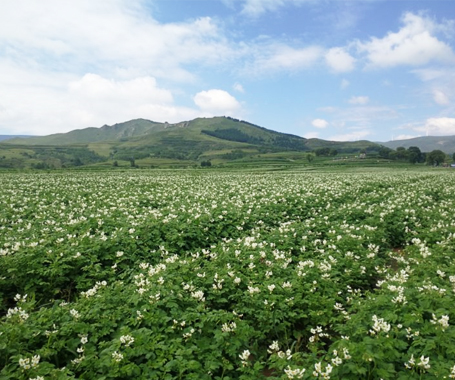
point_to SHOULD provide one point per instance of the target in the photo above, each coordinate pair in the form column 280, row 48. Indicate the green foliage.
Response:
column 152, row 143
column 436, row 157
column 218, row 275
column 234, row 155
column 233, row 134
column 414, row 155
column 309, row 157
column 425, row 143
column 322, row 152
column 384, row 152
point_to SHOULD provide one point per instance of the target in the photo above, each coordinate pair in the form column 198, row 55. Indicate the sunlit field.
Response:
column 217, row 275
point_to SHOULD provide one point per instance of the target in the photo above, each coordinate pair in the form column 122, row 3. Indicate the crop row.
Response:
column 227, row 276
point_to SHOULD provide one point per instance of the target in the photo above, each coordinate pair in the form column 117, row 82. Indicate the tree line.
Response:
column 414, row 155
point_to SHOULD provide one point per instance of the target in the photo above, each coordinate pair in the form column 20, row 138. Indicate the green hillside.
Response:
column 146, row 143
column 115, row 132
column 9, row 137
column 425, row 144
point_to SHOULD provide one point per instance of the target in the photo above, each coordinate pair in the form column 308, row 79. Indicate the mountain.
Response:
column 425, row 144
column 9, row 137
column 120, row 131
column 216, row 132
column 219, row 138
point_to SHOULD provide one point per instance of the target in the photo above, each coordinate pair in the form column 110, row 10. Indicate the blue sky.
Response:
column 332, row 69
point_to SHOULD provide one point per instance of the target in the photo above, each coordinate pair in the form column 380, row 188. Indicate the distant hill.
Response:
column 425, row 144
column 115, row 132
column 218, row 131
column 219, row 138
column 9, row 137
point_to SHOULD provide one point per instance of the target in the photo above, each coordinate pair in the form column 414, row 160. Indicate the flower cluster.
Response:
column 27, row 363
column 127, row 340
column 379, row 325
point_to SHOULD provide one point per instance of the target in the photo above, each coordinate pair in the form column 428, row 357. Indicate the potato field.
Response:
column 215, row 275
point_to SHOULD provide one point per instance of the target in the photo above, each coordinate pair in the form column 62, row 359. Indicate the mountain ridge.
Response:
column 425, row 143
column 219, row 139
column 138, row 128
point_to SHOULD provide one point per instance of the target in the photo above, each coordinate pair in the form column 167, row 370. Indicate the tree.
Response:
column 309, row 157
column 453, row 157
column 384, row 152
column 402, row 153
column 414, row 154
column 322, row 151
column 436, row 157
column 333, row 152
column 77, row 161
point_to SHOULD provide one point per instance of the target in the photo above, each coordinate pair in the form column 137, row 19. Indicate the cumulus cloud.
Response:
column 66, row 65
column 414, row 44
column 91, row 101
column 109, row 35
column 320, row 123
column 275, row 57
column 351, row 136
column 238, row 87
column 311, row 135
column 139, row 90
column 438, row 126
column 359, row 100
column 440, row 97
column 339, row 60
column 217, row 102
column 361, row 117
column 96, row 100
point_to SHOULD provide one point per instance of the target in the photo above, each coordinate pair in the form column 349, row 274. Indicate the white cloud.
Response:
column 217, row 102
column 351, row 136
column 339, row 60
column 88, row 101
column 257, row 7
column 96, row 100
column 48, row 48
column 139, row 90
column 344, row 84
column 414, row 44
column 440, row 97
column 320, row 123
column 404, row 137
column 109, row 36
column 386, row 83
column 238, row 87
column 362, row 117
column 429, row 74
column 311, row 135
column 359, row 100
column 278, row 57
column 439, row 83
column 438, row 126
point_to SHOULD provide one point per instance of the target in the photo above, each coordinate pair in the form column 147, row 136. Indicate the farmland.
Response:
column 212, row 275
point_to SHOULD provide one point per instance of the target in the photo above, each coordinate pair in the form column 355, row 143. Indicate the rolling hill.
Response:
column 425, row 144
column 218, row 138
column 9, row 137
